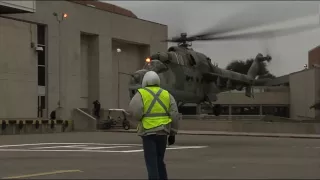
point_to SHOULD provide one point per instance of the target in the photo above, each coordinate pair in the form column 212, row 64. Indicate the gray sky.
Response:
column 289, row 53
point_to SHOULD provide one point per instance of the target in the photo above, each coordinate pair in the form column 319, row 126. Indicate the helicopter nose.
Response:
column 132, row 92
column 135, row 83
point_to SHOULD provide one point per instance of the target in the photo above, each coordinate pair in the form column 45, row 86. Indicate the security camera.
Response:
column 38, row 48
column 305, row 66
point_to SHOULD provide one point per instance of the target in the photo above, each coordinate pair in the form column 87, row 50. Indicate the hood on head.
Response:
column 151, row 78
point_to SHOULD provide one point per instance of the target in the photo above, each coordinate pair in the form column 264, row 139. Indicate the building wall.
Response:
column 302, row 93
column 18, row 69
column 317, row 91
column 130, row 59
column 81, row 19
column 89, row 63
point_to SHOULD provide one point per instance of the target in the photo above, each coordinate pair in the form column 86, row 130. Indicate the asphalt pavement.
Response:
column 230, row 133
column 116, row 155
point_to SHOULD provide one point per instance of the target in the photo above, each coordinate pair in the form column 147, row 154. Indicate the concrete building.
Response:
column 289, row 96
column 65, row 53
column 314, row 57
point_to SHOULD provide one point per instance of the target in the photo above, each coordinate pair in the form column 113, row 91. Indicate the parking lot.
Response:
column 106, row 155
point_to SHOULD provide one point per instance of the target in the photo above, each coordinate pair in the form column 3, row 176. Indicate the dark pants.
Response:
column 97, row 113
column 154, row 147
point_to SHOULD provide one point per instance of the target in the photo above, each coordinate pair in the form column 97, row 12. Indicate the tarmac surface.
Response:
column 116, row 155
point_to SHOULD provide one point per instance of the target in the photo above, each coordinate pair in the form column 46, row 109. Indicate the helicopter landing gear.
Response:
column 217, row 109
column 180, row 104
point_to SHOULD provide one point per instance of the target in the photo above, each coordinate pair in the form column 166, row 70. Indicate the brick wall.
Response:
column 314, row 56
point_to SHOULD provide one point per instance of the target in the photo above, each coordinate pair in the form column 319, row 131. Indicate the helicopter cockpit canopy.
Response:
column 155, row 65
column 161, row 56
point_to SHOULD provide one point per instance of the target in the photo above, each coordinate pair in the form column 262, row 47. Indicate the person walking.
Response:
column 96, row 108
column 156, row 111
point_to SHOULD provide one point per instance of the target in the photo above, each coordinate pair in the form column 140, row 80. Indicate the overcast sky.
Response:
column 289, row 53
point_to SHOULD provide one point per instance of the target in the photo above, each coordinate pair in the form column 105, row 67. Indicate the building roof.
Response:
column 314, row 49
column 107, row 7
column 278, row 81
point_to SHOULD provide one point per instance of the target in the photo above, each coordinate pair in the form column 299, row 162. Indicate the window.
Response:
column 41, row 105
column 192, row 61
column 41, row 34
column 41, row 76
column 282, row 111
column 157, row 66
column 209, row 110
column 245, row 110
column 43, row 102
column 41, row 57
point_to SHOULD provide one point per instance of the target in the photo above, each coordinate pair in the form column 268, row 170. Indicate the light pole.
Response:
column 59, row 17
column 118, row 61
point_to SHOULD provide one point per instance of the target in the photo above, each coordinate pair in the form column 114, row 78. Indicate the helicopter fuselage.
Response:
column 182, row 82
column 179, row 74
column 191, row 77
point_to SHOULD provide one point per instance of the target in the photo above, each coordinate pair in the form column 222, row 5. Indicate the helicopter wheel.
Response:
column 217, row 109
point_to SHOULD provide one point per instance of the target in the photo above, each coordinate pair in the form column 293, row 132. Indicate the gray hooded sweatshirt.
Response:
column 136, row 112
column 151, row 78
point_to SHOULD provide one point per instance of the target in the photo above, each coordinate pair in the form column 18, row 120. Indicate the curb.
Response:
column 255, row 135
column 302, row 136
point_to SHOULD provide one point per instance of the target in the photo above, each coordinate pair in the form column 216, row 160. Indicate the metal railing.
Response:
column 263, row 89
column 85, row 114
column 83, row 121
column 266, row 118
column 223, row 117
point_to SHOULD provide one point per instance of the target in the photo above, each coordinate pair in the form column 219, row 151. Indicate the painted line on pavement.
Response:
column 41, row 174
column 92, row 150
column 188, row 147
column 173, row 148
column 35, row 144
column 110, row 147
column 52, row 147
column 54, row 150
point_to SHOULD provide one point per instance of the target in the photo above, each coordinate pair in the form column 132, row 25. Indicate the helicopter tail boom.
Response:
column 226, row 79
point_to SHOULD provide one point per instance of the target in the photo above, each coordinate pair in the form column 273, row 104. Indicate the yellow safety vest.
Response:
column 156, row 103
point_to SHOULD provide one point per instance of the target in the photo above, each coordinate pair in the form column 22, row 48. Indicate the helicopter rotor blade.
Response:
column 255, row 17
column 169, row 40
column 252, row 35
column 262, row 34
column 173, row 40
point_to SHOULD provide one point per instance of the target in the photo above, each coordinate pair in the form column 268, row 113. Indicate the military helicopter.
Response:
column 191, row 77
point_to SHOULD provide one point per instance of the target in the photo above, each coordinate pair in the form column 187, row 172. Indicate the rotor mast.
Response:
column 184, row 41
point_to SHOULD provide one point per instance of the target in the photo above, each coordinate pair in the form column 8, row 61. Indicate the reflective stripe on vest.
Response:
column 156, row 106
